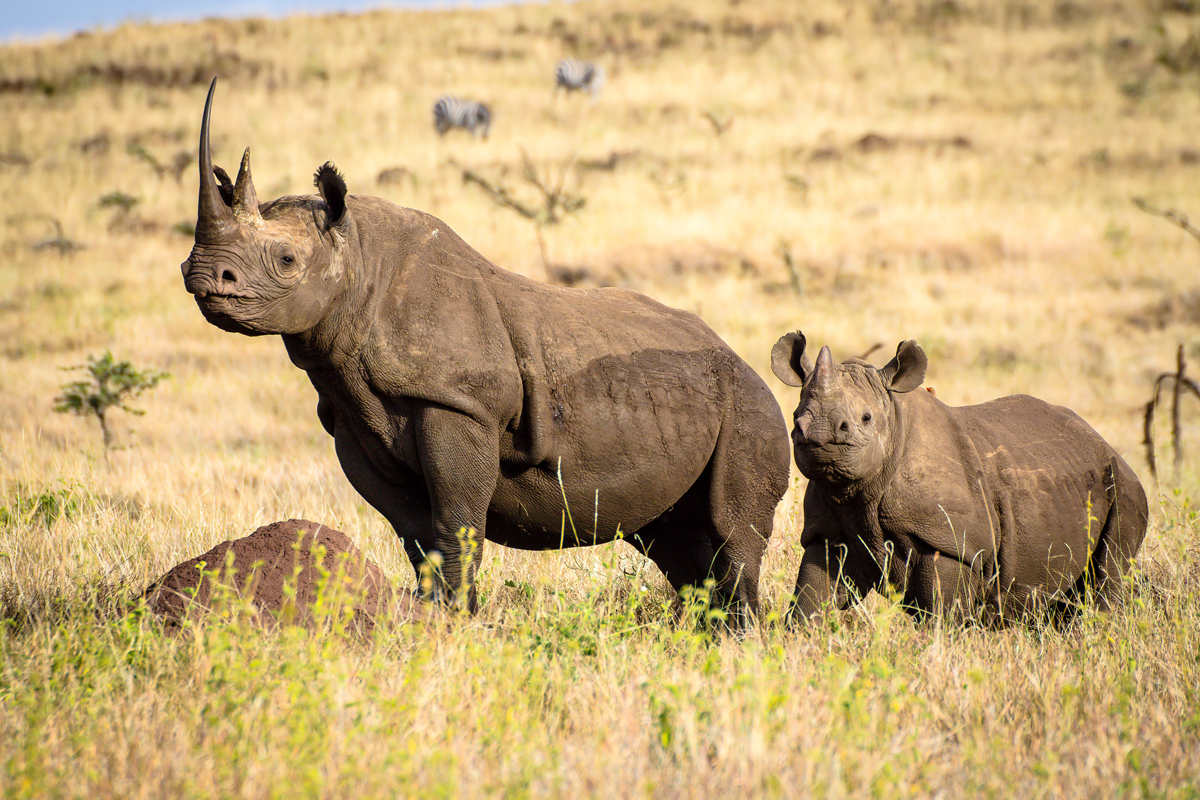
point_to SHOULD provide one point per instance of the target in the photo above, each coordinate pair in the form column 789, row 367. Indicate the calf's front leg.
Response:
column 830, row 577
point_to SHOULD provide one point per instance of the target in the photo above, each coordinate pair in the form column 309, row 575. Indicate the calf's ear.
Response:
column 332, row 186
column 789, row 361
column 906, row 371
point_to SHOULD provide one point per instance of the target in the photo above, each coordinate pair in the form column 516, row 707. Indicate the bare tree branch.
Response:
column 554, row 199
column 870, row 350
column 556, row 203
column 1170, row 214
column 498, row 193
column 1180, row 382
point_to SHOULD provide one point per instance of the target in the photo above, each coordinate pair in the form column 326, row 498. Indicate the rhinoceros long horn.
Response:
column 213, row 217
column 245, row 199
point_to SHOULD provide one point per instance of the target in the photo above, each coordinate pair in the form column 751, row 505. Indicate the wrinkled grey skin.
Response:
column 458, row 393
column 959, row 508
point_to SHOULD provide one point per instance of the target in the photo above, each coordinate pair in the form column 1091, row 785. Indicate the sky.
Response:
column 30, row 20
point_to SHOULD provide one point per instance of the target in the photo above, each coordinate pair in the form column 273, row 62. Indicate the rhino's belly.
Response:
column 534, row 511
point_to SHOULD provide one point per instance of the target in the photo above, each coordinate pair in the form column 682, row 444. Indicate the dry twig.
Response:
column 175, row 168
column 59, row 241
column 556, row 202
column 1170, row 214
column 499, row 193
column 1181, row 382
column 719, row 125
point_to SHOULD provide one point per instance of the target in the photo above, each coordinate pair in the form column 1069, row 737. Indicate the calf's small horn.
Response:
column 823, row 371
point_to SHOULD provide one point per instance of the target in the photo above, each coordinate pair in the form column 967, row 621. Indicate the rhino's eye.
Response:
column 867, row 417
column 287, row 260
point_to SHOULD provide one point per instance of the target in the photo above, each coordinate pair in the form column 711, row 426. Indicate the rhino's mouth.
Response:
column 825, row 456
column 801, row 442
column 204, row 288
column 206, row 294
column 825, row 463
column 214, row 305
column 220, row 311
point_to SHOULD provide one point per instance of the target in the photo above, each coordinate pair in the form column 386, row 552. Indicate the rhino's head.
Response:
column 847, row 421
column 264, row 269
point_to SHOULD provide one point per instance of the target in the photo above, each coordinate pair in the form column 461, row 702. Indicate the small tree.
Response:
column 112, row 384
column 557, row 203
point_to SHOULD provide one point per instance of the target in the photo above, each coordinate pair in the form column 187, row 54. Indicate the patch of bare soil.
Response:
column 229, row 65
column 1182, row 307
column 393, row 176
column 871, row 143
column 279, row 570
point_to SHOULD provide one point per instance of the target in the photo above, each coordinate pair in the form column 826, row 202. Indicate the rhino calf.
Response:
column 1011, row 505
column 462, row 397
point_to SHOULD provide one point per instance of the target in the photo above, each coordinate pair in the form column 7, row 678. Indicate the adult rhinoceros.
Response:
column 462, row 397
column 1010, row 504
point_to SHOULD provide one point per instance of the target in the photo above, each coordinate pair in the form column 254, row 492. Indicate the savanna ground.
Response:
column 959, row 173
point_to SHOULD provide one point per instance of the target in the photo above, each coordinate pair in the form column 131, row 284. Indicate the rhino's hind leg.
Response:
column 746, row 478
column 691, row 544
column 942, row 585
column 1119, row 539
column 680, row 551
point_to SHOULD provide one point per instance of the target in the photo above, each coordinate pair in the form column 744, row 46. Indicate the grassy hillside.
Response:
column 959, row 173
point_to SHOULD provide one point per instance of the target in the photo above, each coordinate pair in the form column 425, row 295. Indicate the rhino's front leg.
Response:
column 816, row 586
column 830, row 577
column 460, row 458
column 399, row 496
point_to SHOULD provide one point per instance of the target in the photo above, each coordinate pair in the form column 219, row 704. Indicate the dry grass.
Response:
column 957, row 173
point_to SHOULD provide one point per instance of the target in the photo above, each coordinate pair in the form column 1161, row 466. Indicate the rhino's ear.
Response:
column 224, row 185
column 906, row 371
column 789, row 362
column 332, row 186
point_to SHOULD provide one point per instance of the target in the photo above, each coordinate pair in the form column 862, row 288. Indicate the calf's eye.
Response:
column 867, row 417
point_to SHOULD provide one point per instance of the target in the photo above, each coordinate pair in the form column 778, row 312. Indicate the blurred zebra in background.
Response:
column 575, row 75
column 453, row 112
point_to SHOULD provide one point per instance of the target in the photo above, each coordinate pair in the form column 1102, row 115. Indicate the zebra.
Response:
column 452, row 112
column 575, row 75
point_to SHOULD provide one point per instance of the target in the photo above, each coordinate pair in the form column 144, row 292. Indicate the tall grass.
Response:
column 559, row 689
column 957, row 173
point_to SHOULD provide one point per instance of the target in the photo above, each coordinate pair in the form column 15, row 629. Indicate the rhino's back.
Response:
column 624, row 402
column 1024, row 433
column 587, row 323
column 632, row 375
column 1017, row 481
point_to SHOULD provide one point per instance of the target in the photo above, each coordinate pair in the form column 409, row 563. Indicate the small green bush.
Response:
column 111, row 384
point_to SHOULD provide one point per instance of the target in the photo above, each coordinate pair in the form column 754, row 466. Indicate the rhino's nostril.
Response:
column 845, row 426
column 228, row 276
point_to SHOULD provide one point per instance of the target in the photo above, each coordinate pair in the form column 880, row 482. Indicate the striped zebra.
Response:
column 452, row 112
column 575, row 75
